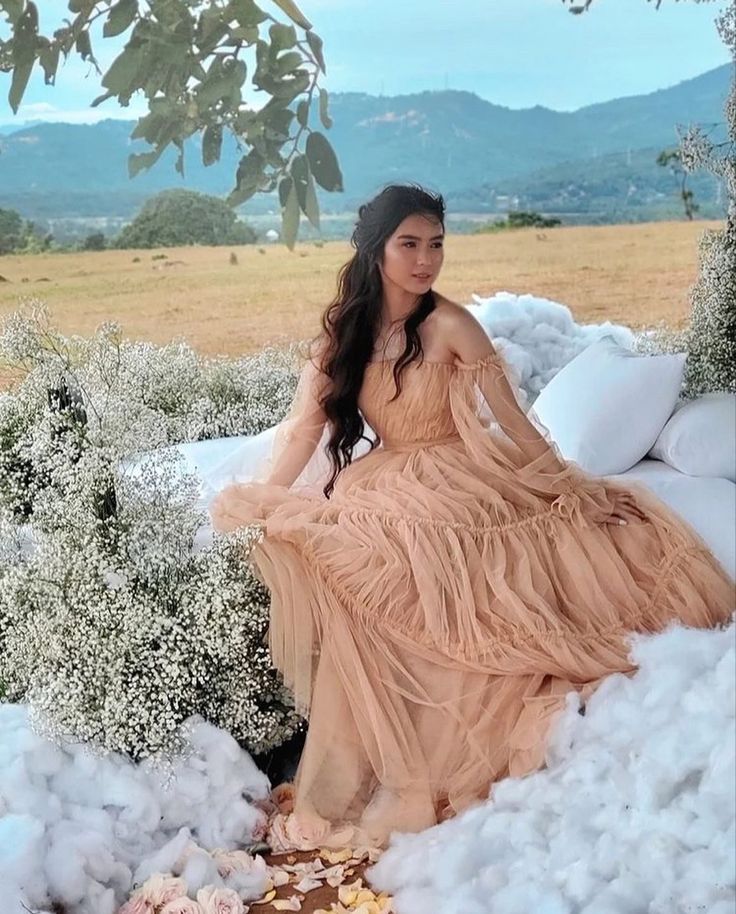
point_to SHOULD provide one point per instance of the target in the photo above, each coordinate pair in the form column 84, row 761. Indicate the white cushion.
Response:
column 606, row 407
column 708, row 505
column 700, row 437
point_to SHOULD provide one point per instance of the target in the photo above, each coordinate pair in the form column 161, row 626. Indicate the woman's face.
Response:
column 413, row 255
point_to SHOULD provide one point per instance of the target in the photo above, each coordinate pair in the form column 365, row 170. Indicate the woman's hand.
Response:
column 625, row 509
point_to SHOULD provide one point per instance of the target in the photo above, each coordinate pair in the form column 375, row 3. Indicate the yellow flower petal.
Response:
column 269, row 896
column 336, row 856
column 287, row 904
column 368, row 907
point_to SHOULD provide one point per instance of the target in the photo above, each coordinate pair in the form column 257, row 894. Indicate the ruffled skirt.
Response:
column 431, row 623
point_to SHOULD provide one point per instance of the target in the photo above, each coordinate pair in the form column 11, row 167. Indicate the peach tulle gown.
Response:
column 431, row 615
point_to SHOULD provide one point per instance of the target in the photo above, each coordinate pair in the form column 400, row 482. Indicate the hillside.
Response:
column 451, row 140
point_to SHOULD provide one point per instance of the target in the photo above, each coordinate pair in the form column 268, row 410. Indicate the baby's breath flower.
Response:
column 112, row 626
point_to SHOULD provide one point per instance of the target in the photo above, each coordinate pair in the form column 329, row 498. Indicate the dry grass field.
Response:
column 634, row 274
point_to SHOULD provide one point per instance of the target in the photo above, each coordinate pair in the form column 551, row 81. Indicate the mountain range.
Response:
column 484, row 157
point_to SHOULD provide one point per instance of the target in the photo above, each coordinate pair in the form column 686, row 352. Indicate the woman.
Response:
column 432, row 606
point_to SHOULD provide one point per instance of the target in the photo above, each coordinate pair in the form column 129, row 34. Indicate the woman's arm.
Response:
column 470, row 344
column 301, row 431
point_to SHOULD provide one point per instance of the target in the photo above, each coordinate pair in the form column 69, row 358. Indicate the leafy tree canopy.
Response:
column 178, row 217
column 191, row 60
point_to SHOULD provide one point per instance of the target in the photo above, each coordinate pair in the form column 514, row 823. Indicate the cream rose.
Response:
column 138, row 904
column 213, row 900
column 182, row 905
column 162, row 888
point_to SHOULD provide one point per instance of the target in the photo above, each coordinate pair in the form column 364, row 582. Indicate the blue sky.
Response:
column 516, row 53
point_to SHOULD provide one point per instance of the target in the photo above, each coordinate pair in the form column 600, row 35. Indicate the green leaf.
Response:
column 101, row 98
column 12, row 10
column 294, row 13
column 246, row 13
column 140, row 160
column 211, row 144
column 282, row 37
column 48, row 57
column 120, row 17
column 323, row 103
column 277, row 123
column 288, row 63
column 302, row 113
column 305, row 192
column 24, row 54
column 121, row 77
column 21, row 75
column 315, row 46
column 83, row 45
column 247, row 178
column 289, row 212
column 179, row 164
column 323, row 162
column 248, row 34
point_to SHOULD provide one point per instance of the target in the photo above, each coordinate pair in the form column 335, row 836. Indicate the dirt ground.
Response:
column 320, row 899
column 635, row 274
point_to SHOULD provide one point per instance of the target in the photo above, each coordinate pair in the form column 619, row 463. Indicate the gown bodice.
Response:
column 421, row 412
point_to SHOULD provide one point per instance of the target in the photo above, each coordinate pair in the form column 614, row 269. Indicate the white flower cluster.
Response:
column 711, row 337
column 711, row 363
column 112, row 626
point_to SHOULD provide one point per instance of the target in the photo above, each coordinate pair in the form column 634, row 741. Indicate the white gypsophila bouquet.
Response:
column 139, row 395
column 111, row 626
column 711, row 363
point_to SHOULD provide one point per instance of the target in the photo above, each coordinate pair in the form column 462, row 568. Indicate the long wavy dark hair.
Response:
column 352, row 321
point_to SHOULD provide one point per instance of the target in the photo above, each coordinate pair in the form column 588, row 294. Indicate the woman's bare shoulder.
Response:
column 461, row 330
column 450, row 315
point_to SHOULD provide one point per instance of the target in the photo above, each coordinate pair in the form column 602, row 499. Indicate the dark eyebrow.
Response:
column 417, row 238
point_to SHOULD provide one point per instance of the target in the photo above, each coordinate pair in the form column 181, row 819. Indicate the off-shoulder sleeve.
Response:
column 498, row 432
column 300, row 431
column 295, row 464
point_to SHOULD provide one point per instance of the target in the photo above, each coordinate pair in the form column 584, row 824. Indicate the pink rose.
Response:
column 182, row 905
column 137, row 904
column 161, row 888
column 219, row 901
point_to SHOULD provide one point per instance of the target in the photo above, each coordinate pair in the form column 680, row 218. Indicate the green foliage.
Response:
column 20, row 236
column 178, row 217
column 519, row 219
column 11, row 231
column 95, row 242
column 190, row 60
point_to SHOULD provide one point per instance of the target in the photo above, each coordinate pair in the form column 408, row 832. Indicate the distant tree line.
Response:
column 18, row 235
column 172, row 218
column 520, row 219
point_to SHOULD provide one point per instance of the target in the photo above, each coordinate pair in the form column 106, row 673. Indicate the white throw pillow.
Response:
column 606, row 407
column 700, row 437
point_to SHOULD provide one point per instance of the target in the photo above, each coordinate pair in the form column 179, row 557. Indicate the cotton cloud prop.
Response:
column 634, row 814
column 83, row 829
